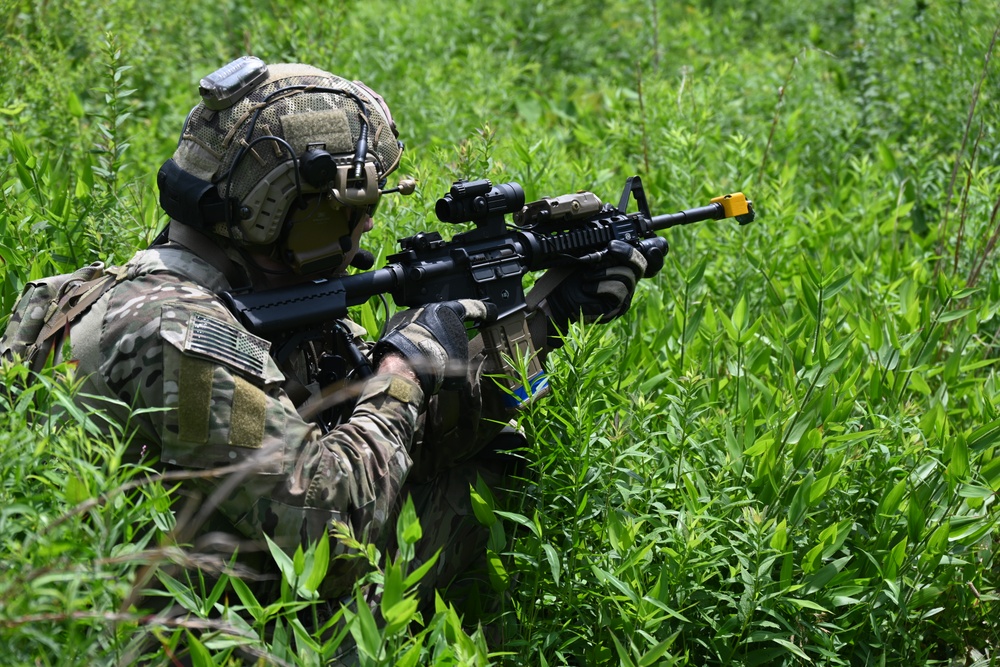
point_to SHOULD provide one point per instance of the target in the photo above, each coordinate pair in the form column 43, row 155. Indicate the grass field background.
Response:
column 785, row 454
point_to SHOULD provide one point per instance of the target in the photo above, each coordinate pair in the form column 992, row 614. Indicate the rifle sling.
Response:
column 544, row 286
column 538, row 309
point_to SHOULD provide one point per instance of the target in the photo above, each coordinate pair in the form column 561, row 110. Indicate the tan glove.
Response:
column 595, row 295
column 434, row 341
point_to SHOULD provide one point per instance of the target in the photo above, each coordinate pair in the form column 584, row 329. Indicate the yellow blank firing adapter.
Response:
column 736, row 206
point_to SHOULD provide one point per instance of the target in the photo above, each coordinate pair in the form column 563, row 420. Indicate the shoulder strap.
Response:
column 75, row 298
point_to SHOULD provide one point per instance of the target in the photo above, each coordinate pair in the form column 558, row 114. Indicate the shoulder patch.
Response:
column 227, row 344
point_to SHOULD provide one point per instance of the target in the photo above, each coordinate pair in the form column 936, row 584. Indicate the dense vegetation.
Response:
column 787, row 453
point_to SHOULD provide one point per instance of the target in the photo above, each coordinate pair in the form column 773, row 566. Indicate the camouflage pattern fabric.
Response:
column 200, row 392
column 206, row 405
column 459, row 421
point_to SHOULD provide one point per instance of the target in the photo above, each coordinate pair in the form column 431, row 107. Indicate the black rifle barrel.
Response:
column 666, row 221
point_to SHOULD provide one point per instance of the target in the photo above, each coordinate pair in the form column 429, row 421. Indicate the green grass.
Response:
column 786, row 453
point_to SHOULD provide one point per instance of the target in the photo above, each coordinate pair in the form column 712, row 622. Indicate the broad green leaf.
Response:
column 369, row 320
column 807, row 604
column 984, row 436
column 182, row 594
column 285, row 564
column 320, row 564
column 499, row 578
column 303, row 639
column 481, row 508
column 779, row 540
column 498, row 537
column 399, row 615
column 890, row 503
column 975, row 491
column 608, row 578
column 915, row 520
column 364, row 629
column 624, row 659
column 759, row 447
column 810, row 562
column 248, row 599
column 820, row 487
column 553, row 557
column 221, row 584
column 731, row 330
column 412, row 655
column 408, row 529
column 886, row 156
column 76, row 489
column 793, row 648
column 969, row 530
column 73, row 105
column 824, row 575
column 740, row 316
column 750, row 332
column 522, row 520
column 392, row 582
column 696, row 274
column 894, row 560
column 834, row 288
column 991, row 473
column 766, row 656
column 955, row 314
column 799, row 504
column 654, row 654
column 200, row 656
column 414, row 577
column 958, row 467
column 937, row 543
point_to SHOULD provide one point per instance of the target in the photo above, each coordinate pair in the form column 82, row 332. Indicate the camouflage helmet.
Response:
column 266, row 135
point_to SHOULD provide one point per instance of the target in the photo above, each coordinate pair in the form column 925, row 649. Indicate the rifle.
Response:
column 487, row 262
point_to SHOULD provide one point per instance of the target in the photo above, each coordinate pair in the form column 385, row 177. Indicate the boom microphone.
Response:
column 363, row 260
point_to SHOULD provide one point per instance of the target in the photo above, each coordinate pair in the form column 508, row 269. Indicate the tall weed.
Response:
column 785, row 453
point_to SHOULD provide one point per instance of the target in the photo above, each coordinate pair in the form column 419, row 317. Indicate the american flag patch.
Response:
column 227, row 344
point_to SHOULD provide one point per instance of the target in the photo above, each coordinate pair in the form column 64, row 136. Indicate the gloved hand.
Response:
column 595, row 295
column 434, row 341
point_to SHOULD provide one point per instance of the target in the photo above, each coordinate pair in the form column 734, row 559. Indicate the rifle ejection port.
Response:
column 483, row 273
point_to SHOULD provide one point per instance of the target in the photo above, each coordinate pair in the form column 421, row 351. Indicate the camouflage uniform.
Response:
column 201, row 392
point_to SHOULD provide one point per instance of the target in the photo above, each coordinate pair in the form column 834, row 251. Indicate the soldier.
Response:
column 277, row 175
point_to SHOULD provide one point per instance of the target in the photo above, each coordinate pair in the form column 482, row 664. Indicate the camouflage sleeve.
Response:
column 210, row 395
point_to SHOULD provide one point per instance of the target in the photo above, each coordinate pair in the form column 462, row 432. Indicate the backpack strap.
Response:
column 75, row 297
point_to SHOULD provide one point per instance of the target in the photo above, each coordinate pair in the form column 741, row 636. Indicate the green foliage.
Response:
column 787, row 451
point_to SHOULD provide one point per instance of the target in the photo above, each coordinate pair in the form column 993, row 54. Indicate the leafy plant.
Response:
column 785, row 453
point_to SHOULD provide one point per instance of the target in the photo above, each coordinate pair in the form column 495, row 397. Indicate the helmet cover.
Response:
column 258, row 151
